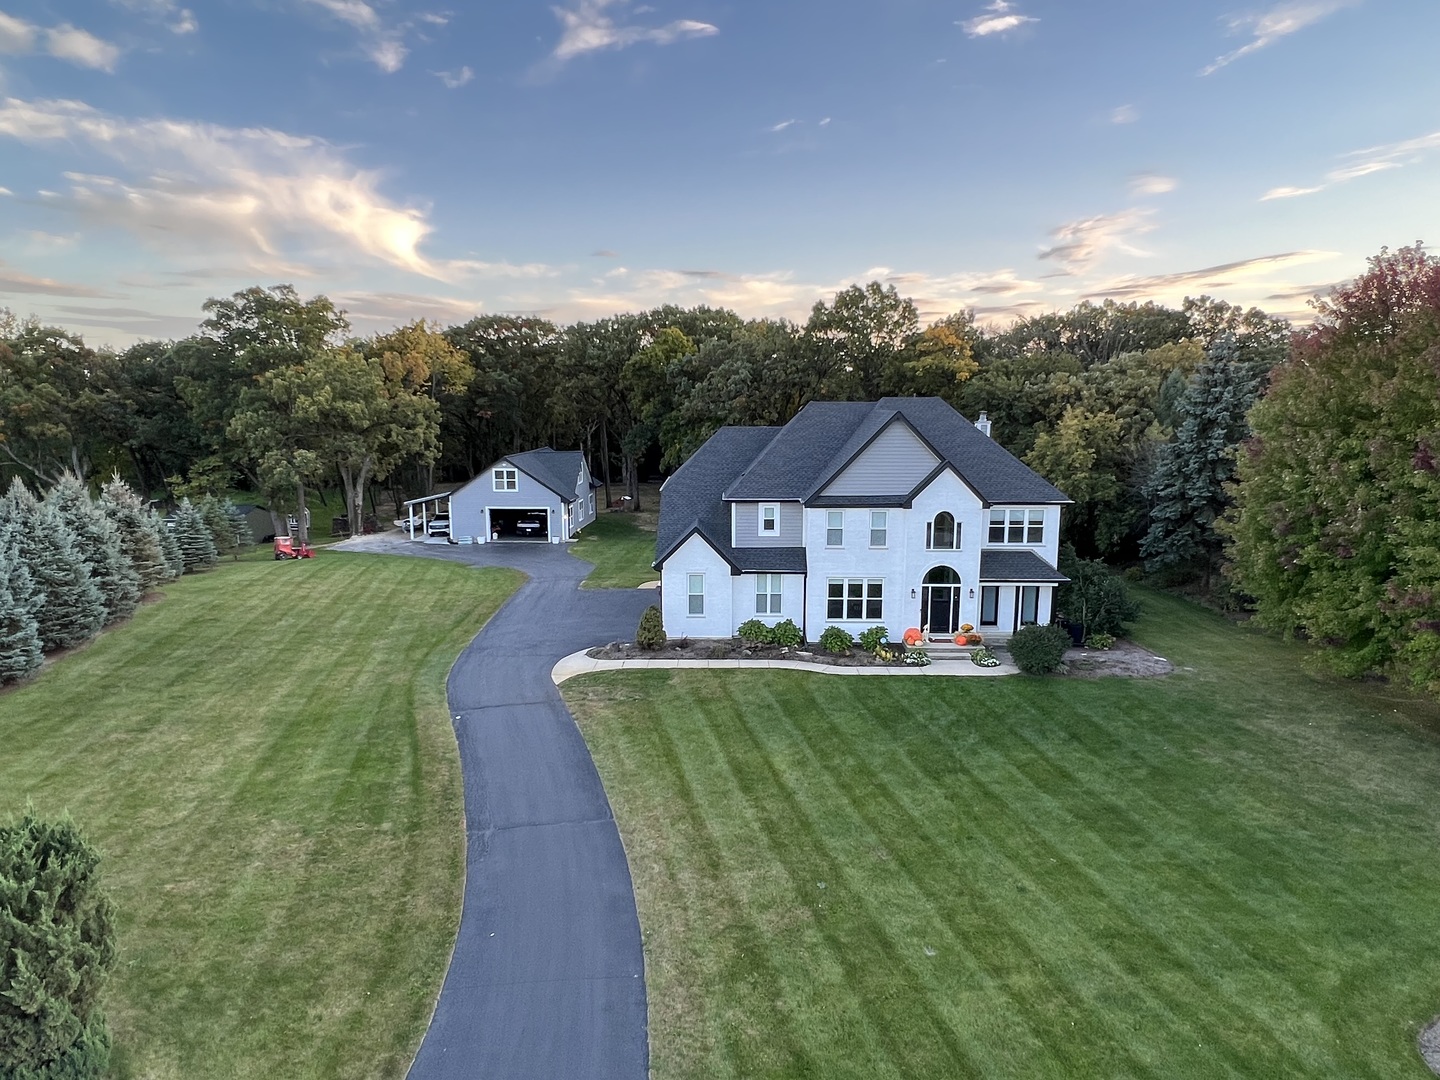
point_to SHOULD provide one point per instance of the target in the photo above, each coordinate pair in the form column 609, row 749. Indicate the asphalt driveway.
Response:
column 548, row 979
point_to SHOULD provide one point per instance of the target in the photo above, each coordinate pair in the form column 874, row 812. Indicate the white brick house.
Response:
column 899, row 513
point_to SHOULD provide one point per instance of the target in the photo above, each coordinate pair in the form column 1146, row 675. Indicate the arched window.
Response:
column 942, row 534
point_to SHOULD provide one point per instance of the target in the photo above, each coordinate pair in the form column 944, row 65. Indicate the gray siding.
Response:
column 747, row 526
column 891, row 465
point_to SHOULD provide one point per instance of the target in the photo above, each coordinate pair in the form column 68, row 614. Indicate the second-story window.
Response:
column 1017, row 526
column 769, row 519
column 835, row 528
column 878, row 530
column 506, row 480
column 942, row 534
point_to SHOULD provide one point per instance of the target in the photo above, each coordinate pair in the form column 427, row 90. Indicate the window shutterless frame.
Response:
column 835, row 528
column 695, row 593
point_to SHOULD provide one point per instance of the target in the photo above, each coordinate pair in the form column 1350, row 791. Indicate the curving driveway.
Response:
column 547, row 980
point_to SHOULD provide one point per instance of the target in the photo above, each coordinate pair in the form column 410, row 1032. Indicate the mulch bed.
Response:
column 1124, row 659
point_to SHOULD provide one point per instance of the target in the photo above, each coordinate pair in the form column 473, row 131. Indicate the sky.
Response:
column 583, row 157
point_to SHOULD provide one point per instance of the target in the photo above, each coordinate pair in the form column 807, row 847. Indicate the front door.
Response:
column 940, row 601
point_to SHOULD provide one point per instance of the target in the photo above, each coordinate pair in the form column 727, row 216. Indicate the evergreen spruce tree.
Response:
column 169, row 546
column 239, row 526
column 1188, row 491
column 57, row 944
column 197, row 545
column 222, row 533
column 72, row 609
column 99, row 545
column 139, row 538
column 20, row 651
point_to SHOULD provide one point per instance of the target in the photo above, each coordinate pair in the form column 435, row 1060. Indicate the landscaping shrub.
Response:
column 1039, row 649
column 650, row 634
column 890, row 651
column 916, row 658
column 1094, row 598
column 870, row 640
column 836, row 640
column 57, row 942
column 983, row 657
column 787, row 633
column 755, row 632
column 1100, row 641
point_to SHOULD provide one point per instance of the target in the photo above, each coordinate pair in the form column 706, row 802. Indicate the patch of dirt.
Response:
column 1429, row 1043
column 1124, row 660
column 734, row 649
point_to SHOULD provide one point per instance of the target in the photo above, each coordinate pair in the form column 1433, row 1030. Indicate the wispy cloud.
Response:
column 17, row 281
column 453, row 80
column 587, row 28
column 381, row 40
column 1148, row 183
column 1124, row 114
column 783, row 125
column 1267, row 27
column 177, row 19
column 1358, row 163
column 64, row 42
column 1000, row 17
column 1230, row 275
column 188, row 186
column 1079, row 245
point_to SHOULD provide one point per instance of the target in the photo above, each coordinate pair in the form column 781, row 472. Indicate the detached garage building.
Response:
column 541, row 496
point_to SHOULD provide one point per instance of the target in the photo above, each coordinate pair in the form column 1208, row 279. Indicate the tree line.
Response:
column 1210, row 443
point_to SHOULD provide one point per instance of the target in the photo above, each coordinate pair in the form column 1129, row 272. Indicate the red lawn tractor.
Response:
column 286, row 547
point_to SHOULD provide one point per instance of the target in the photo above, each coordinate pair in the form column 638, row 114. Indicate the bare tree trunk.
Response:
column 302, row 514
column 605, row 458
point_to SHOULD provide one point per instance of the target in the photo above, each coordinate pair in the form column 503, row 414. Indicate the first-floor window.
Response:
column 1029, row 605
column 695, row 586
column 592, row 502
column 989, row 605
column 854, row 598
column 767, row 594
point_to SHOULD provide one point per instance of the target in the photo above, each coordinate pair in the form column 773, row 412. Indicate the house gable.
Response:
column 893, row 463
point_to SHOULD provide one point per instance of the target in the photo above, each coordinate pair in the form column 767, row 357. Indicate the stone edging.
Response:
column 581, row 663
column 1429, row 1043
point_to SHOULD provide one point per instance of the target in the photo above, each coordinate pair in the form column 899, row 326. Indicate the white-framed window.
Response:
column 767, row 594
column 879, row 530
column 853, row 599
column 769, row 519
column 835, row 528
column 1017, row 526
column 506, row 479
column 989, row 605
column 695, row 590
column 1029, row 604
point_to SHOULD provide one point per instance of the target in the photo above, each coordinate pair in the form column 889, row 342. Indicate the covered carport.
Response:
column 419, row 512
column 508, row 524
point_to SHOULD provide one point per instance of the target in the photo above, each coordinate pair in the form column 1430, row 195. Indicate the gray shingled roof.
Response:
column 558, row 470
column 826, row 435
column 1016, row 566
column 693, row 496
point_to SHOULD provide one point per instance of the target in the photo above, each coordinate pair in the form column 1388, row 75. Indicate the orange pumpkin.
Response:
column 962, row 638
column 913, row 636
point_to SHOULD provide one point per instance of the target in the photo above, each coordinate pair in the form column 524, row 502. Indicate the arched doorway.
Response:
column 940, row 600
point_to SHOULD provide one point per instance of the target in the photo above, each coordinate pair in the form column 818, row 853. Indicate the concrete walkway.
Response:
column 547, row 980
column 578, row 663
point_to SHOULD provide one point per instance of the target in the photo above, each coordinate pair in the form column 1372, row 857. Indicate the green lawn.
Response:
column 622, row 547
column 266, row 760
column 1233, row 871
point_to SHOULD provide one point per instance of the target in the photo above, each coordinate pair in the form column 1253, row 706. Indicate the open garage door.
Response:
column 520, row 525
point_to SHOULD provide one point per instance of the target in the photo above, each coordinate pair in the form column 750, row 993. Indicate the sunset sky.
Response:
column 591, row 156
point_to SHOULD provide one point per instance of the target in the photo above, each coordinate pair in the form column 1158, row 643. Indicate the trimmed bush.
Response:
column 1096, row 599
column 787, row 633
column 755, row 632
column 836, row 640
column 650, row 634
column 1039, row 650
column 870, row 640
column 57, row 943
column 1100, row 641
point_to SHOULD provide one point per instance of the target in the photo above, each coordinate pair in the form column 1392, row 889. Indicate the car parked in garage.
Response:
column 530, row 527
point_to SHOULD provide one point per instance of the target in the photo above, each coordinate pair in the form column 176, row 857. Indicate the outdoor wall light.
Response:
column 972, row 594
column 912, row 594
